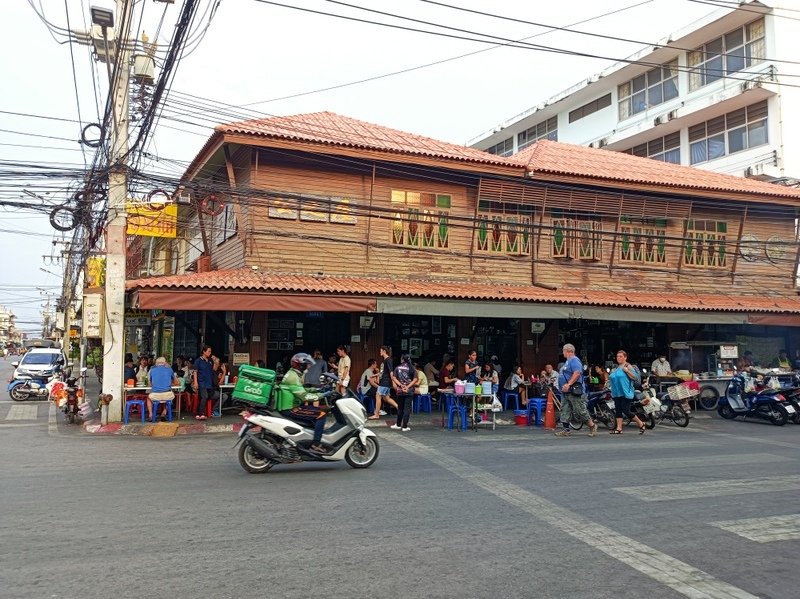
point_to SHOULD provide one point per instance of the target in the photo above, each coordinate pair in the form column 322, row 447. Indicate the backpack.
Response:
column 637, row 382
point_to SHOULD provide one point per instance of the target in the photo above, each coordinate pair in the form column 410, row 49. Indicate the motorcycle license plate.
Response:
column 789, row 409
column 610, row 403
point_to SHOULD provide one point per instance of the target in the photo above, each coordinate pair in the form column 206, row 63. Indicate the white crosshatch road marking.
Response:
column 590, row 445
column 764, row 530
column 20, row 412
column 666, row 463
column 713, row 488
column 669, row 571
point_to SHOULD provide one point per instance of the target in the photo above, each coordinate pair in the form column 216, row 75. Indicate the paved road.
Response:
column 709, row 511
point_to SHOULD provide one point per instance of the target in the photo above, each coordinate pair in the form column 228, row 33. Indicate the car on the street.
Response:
column 41, row 362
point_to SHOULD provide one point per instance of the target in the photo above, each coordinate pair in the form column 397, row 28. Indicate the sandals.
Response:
column 373, row 417
column 642, row 429
column 615, row 432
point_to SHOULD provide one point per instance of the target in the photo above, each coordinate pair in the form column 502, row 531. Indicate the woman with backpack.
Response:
column 623, row 380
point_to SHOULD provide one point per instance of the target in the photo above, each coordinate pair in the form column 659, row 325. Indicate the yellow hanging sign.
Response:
column 143, row 220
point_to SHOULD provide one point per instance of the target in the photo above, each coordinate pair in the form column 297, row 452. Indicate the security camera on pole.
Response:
column 113, row 329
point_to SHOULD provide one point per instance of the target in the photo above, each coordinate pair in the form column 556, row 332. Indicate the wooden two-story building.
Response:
column 316, row 230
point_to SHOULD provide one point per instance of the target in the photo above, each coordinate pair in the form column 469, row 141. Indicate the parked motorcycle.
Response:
column 664, row 407
column 790, row 392
column 601, row 408
column 28, row 388
column 743, row 399
column 269, row 438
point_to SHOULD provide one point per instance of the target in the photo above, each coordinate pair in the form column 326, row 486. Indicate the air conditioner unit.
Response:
column 602, row 143
column 672, row 114
column 658, row 120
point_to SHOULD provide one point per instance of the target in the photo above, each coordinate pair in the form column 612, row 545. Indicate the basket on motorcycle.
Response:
column 651, row 405
column 254, row 385
column 683, row 391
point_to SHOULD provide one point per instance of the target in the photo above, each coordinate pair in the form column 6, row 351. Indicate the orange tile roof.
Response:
column 329, row 128
column 546, row 157
column 248, row 280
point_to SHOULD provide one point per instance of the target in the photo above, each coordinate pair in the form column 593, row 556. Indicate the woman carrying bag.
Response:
column 622, row 381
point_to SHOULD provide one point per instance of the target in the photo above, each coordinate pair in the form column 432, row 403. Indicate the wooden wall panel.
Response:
column 365, row 249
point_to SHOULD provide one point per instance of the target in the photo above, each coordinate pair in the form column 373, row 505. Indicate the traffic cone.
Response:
column 550, row 412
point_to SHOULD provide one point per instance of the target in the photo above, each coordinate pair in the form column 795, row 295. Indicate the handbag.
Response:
column 576, row 390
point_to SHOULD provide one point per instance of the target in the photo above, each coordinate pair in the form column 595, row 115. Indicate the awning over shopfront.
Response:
column 247, row 289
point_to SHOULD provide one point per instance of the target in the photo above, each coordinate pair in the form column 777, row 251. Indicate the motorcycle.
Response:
column 663, row 407
column 790, row 392
column 28, row 388
column 268, row 437
column 601, row 408
column 743, row 399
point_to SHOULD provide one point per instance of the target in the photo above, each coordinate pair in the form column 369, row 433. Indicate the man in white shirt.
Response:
column 660, row 366
column 343, row 369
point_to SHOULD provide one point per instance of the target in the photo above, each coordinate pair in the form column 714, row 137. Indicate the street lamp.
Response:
column 103, row 17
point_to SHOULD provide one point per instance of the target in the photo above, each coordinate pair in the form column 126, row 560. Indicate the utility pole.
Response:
column 114, row 323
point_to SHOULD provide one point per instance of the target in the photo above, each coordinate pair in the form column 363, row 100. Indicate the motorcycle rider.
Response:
column 309, row 413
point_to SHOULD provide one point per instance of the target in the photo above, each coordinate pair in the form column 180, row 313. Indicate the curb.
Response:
column 158, row 429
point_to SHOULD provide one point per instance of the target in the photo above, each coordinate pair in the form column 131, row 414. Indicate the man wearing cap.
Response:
column 162, row 379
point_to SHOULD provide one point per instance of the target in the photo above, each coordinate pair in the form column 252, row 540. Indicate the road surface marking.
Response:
column 764, row 440
column 713, row 488
column 766, row 529
column 677, row 575
column 667, row 463
column 52, row 422
column 597, row 445
column 20, row 412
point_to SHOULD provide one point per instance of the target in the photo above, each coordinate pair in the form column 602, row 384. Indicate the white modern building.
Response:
column 8, row 331
column 722, row 95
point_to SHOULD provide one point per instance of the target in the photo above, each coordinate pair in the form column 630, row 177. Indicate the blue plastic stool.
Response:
column 538, row 405
column 134, row 402
column 367, row 402
column 423, row 403
column 510, row 394
column 157, row 404
column 453, row 407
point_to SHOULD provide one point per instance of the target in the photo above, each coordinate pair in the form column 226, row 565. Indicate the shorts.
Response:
column 161, row 395
column 345, row 382
column 384, row 390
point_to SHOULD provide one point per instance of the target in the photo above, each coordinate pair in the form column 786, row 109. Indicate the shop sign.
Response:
column 537, row 327
column 137, row 319
column 728, row 351
column 93, row 314
column 96, row 271
column 143, row 220
column 241, row 358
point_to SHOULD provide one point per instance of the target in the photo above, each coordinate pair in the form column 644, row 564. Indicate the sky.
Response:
column 268, row 57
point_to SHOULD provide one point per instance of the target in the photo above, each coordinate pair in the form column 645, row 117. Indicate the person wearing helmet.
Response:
column 293, row 404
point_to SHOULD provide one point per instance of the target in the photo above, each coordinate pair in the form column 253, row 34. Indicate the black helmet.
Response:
column 300, row 360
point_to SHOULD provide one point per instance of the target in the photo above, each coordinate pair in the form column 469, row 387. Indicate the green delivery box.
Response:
column 254, row 385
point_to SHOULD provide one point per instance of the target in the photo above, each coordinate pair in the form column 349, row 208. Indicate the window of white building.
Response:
column 730, row 133
column 545, row 130
column 666, row 149
column 652, row 88
column 504, row 148
column 730, row 53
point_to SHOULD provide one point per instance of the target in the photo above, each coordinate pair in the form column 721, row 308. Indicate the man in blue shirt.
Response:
column 203, row 381
column 573, row 397
column 162, row 379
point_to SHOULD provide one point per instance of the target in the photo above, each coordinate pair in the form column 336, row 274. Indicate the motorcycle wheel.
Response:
column 17, row 394
column 70, row 418
column 708, row 398
column 726, row 411
column 608, row 418
column 650, row 422
column 679, row 417
column 778, row 415
column 362, row 455
column 576, row 425
column 251, row 461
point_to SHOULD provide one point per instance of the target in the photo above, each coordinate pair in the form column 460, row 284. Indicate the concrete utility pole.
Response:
column 114, row 325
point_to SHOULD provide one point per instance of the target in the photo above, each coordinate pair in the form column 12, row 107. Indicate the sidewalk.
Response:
column 231, row 423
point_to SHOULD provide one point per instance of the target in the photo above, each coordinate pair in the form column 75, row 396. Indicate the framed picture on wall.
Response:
column 272, row 345
column 415, row 347
column 451, row 331
column 404, row 345
column 286, row 345
column 436, row 325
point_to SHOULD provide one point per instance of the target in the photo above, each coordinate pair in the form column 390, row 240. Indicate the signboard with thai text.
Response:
column 143, row 220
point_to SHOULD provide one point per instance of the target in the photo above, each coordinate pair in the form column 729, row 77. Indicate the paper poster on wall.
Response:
column 241, row 358
column 451, row 331
column 465, row 341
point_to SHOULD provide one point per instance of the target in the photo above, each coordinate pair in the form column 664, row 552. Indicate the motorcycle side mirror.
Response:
column 70, row 364
column 15, row 364
column 84, row 369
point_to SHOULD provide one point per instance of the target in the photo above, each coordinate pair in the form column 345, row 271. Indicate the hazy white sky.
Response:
column 254, row 51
